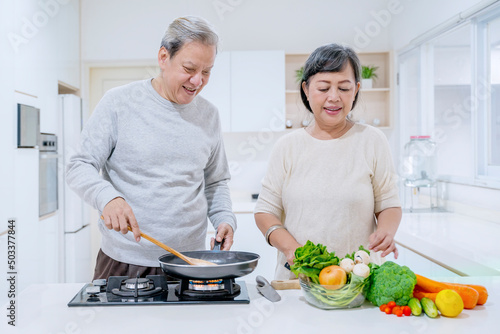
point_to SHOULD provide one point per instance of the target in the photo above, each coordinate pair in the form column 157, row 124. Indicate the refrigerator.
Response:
column 76, row 240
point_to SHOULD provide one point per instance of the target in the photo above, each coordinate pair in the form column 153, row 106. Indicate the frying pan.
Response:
column 230, row 264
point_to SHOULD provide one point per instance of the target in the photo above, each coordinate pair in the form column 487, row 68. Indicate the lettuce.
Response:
column 311, row 258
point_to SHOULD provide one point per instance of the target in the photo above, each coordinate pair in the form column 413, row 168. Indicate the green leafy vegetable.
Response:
column 390, row 282
column 311, row 258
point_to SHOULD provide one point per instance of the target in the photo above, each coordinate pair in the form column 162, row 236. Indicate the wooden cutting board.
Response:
column 286, row 284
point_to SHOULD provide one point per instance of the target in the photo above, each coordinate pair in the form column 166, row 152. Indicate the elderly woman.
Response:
column 160, row 150
column 333, row 182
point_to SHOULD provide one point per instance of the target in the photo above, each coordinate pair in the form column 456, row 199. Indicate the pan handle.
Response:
column 216, row 245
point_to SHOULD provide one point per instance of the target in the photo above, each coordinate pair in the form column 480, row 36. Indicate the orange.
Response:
column 332, row 277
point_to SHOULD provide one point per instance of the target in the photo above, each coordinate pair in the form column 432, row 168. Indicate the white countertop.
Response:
column 465, row 245
column 43, row 309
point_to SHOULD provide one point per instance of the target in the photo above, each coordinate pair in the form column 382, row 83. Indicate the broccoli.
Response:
column 391, row 282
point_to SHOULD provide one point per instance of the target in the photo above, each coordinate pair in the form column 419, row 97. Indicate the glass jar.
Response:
column 419, row 163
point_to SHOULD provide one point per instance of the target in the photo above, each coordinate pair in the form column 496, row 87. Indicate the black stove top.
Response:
column 156, row 290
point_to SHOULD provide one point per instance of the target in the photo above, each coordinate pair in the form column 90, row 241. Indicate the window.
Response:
column 488, row 96
column 449, row 88
column 452, row 103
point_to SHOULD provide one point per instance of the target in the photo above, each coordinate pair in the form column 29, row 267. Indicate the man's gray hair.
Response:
column 188, row 29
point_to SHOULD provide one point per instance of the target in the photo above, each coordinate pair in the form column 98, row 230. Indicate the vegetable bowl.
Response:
column 329, row 282
column 351, row 295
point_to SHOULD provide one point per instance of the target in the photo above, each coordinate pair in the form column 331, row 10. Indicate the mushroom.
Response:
column 361, row 269
column 347, row 264
column 361, row 257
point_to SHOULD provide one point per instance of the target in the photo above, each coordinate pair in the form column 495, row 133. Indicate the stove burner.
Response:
column 139, row 283
column 208, row 285
column 218, row 289
column 136, row 287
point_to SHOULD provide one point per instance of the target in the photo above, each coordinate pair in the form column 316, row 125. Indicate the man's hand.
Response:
column 224, row 235
column 118, row 215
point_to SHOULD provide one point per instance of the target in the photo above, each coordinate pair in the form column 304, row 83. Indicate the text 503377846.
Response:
column 11, row 272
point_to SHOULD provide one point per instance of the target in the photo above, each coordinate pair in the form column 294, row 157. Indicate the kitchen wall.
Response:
column 293, row 26
column 466, row 199
column 39, row 47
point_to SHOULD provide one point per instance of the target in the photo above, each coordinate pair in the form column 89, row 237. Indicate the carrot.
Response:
column 483, row 293
column 429, row 285
column 419, row 294
column 469, row 295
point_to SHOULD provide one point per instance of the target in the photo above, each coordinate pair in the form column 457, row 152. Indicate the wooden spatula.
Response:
column 190, row 260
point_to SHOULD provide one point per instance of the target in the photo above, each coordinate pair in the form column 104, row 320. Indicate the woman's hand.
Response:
column 382, row 241
column 383, row 238
column 118, row 215
column 224, row 235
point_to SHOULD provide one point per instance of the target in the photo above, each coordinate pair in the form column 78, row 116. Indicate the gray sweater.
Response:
column 166, row 160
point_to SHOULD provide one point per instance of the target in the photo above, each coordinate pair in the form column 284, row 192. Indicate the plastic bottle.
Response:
column 419, row 164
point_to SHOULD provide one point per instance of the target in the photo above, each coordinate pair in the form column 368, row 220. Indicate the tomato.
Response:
column 396, row 309
column 407, row 311
column 391, row 304
column 399, row 312
column 388, row 310
column 382, row 307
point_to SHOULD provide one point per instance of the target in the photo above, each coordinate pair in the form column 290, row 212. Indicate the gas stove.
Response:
column 155, row 290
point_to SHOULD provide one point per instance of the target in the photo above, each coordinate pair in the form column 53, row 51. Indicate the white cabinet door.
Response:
column 257, row 91
column 78, row 261
column 218, row 89
column 248, row 88
column 419, row 264
column 248, row 238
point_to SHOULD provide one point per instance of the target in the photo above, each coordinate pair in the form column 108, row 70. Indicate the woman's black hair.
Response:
column 330, row 58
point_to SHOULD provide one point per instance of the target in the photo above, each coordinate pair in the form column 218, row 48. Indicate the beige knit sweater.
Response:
column 327, row 191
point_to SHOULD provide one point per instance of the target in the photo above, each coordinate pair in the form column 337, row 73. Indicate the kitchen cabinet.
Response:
column 257, row 93
column 248, row 238
column 419, row 264
column 218, row 89
column 374, row 105
column 76, row 235
column 248, row 89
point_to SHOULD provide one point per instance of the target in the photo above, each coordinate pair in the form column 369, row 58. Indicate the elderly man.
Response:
column 160, row 150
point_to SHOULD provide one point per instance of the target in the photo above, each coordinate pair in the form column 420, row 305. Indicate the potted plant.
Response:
column 367, row 76
column 299, row 74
